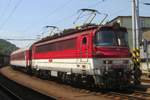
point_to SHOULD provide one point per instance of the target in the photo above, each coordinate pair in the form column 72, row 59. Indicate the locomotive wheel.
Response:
column 90, row 81
column 37, row 73
column 45, row 74
column 40, row 73
column 61, row 77
column 73, row 80
column 29, row 70
column 12, row 67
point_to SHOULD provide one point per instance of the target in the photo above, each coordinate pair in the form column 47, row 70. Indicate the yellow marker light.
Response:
column 134, row 55
column 138, row 54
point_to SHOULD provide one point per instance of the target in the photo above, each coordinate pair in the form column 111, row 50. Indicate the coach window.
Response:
column 84, row 40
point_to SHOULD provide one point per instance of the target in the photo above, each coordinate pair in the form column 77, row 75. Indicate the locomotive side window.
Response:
column 57, row 46
column 84, row 40
column 122, row 37
column 19, row 56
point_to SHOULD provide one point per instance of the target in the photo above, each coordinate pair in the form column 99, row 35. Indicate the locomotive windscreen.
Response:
column 111, row 37
column 105, row 38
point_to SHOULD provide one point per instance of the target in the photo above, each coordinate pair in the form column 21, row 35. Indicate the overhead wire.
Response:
column 53, row 12
column 93, row 5
column 19, row 39
column 63, row 19
column 11, row 13
column 71, row 16
column 118, row 11
column 62, row 6
column 96, row 4
column 5, row 9
column 124, row 9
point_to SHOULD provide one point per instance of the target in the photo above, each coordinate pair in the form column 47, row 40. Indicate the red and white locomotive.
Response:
column 90, row 54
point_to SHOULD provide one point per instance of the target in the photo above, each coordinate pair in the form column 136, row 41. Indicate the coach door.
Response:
column 84, row 48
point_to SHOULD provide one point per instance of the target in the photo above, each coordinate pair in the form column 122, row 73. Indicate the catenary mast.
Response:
column 135, row 24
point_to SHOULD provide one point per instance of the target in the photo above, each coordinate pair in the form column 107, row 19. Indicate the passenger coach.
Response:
column 20, row 58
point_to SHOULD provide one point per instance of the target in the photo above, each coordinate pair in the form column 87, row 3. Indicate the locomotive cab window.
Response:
column 111, row 37
column 105, row 38
column 84, row 40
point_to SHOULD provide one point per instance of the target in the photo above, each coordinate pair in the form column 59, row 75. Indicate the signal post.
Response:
column 136, row 41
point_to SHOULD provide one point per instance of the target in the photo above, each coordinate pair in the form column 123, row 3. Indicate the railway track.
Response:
column 131, row 93
column 133, row 96
column 123, row 95
column 9, row 93
column 144, row 95
column 15, row 91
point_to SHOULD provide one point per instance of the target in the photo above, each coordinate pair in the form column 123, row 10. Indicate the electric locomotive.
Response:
column 89, row 55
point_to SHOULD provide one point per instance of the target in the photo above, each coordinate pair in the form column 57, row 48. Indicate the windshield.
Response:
column 111, row 38
column 105, row 38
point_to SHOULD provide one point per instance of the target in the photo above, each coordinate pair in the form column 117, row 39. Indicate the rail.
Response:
column 10, row 93
column 124, row 95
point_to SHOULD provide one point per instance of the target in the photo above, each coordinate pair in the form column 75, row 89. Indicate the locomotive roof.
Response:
column 69, row 32
column 20, row 50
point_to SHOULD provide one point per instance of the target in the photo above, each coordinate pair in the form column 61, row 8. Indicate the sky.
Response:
column 25, row 19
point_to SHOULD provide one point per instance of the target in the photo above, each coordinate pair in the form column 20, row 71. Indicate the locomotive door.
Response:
column 84, row 48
